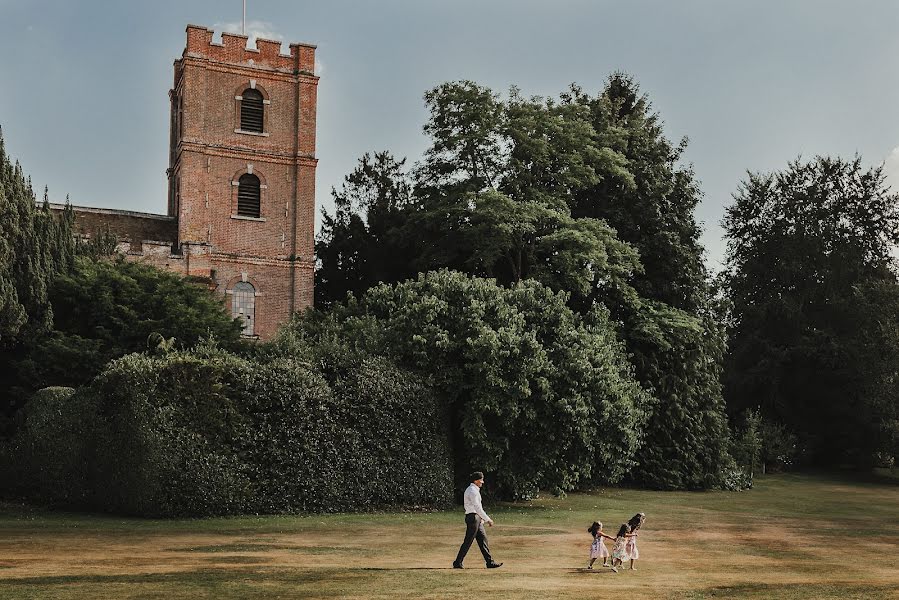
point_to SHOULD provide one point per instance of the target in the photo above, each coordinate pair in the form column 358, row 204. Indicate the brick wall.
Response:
column 209, row 152
column 128, row 226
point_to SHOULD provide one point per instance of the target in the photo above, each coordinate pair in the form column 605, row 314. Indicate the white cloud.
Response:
column 255, row 29
column 891, row 169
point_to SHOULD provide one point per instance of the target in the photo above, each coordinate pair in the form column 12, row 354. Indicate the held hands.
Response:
column 490, row 523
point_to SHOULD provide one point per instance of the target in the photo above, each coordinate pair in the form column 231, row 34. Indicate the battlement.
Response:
column 233, row 49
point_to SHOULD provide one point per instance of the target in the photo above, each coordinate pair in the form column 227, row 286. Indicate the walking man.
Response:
column 475, row 517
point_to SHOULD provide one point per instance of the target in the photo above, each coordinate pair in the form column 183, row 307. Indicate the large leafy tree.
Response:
column 813, row 338
column 534, row 393
column 493, row 192
column 649, row 198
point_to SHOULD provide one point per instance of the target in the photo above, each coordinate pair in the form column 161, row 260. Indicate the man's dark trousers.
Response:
column 474, row 530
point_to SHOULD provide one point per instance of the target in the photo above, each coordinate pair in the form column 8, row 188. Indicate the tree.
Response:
column 34, row 247
column 669, row 321
column 104, row 309
column 535, row 393
column 813, row 330
column 645, row 194
column 360, row 245
column 493, row 193
column 586, row 196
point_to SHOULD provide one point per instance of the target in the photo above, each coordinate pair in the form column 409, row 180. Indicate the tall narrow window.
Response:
column 251, row 111
column 248, row 195
column 243, row 306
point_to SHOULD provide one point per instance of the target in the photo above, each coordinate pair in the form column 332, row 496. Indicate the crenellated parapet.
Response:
column 233, row 49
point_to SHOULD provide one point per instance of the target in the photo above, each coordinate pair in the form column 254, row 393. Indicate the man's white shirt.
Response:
column 472, row 502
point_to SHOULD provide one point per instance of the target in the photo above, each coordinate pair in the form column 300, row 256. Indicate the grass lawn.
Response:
column 793, row 536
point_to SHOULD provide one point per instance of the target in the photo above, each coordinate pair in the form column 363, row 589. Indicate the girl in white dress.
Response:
column 630, row 547
column 598, row 548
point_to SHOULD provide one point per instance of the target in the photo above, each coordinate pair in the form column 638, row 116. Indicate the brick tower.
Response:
column 242, row 173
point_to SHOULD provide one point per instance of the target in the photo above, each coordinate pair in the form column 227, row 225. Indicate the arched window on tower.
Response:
column 248, row 196
column 243, row 306
column 251, row 111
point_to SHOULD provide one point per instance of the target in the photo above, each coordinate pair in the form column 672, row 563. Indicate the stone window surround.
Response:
column 266, row 103
column 229, row 292
column 235, row 185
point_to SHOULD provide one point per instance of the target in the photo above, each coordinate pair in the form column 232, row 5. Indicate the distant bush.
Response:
column 780, row 447
column 169, row 433
column 104, row 309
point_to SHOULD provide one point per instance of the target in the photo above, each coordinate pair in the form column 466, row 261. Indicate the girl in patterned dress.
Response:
column 630, row 547
column 598, row 548
column 619, row 551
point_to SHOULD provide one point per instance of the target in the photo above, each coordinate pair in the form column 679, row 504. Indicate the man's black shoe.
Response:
column 457, row 566
column 494, row 565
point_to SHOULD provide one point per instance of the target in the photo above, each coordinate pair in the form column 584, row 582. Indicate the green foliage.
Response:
column 746, row 445
column 535, row 394
column 47, row 457
column 587, row 196
column 813, row 339
column 166, row 441
column 104, row 309
column 493, row 195
column 103, row 243
column 678, row 357
column 361, row 244
column 645, row 194
column 34, row 247
column 779, row 447
column 206, row 432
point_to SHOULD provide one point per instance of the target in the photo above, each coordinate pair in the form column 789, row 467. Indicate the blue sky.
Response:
column 753, row 84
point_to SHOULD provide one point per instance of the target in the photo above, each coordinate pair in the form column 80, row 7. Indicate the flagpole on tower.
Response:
column 243, row 24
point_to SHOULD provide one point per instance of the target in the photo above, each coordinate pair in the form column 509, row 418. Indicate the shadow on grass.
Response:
column 793, row 591
column 217, row 548
column 198, row 577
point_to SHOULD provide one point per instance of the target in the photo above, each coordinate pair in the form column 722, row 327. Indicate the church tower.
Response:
column 242, row 173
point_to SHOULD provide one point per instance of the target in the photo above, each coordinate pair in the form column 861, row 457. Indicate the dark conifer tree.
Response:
column 362, row 244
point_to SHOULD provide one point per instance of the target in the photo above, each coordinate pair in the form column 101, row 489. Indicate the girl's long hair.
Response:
column 594, row 528
column 624, row 530
column 636, row 521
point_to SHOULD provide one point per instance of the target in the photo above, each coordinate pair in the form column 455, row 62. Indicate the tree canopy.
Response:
column 587, row 196
column 813, row 339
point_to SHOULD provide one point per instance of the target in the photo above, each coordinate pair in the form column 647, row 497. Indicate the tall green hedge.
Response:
column 48, row 457
column 207, row 433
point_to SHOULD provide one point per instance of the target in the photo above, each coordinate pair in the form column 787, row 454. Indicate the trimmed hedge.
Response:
column 208, row 433
column 46, row 459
